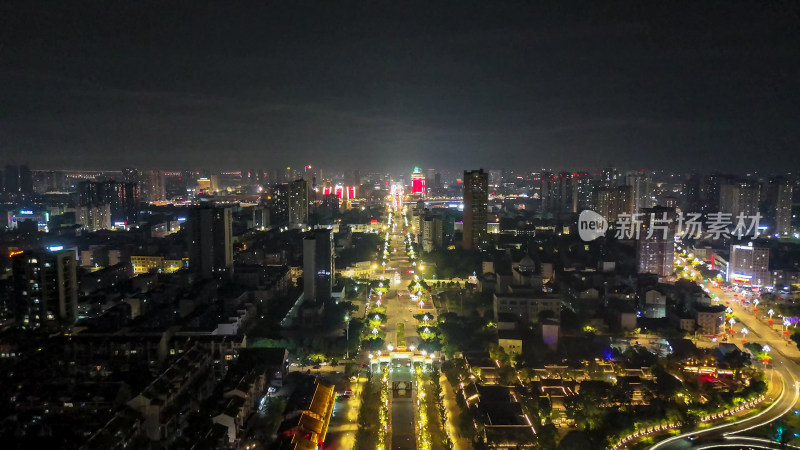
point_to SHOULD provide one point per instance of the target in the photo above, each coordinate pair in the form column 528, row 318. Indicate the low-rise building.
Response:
column 709, row 319
column 527, row 304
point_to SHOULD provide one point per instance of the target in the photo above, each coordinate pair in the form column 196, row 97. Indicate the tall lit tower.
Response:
column 298, row 202
column 417, row 182
column 209, row 237
column 318, row 265
column 783, row 205
column 476, row 205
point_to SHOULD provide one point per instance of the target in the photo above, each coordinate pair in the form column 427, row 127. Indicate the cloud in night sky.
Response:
column 180, row 84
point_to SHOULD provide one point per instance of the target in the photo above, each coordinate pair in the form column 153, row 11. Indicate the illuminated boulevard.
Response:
column 783, row 370
column 399, row 309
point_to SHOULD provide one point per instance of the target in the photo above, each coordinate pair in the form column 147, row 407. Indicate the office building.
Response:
column 318, row 265
column 655, row 248
column 476, row 205
column 298, row 203
column 210, row 240
column 749, row 266
column 45, row 287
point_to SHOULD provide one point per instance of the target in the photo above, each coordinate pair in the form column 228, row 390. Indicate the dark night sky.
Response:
column 235, row 84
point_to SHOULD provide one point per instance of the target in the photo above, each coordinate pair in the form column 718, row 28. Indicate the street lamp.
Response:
column 770, row 312
column 766, row 348
column 347, row 338
column 390, row 347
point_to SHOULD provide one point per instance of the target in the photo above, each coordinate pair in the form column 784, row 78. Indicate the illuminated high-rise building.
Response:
column 642, row 190
column 318, row 265
column 749, row 266
column 584, row 186
column 655, row 248
column 153, row 186
column 609, row 178
column 49, row 181
column 476, row 205
column 45, row 287
column 417, row 182
column 783, row 206
column 298, row 203
column 209, row 236
column 611, row 202
column 123, row 198
column 277, row 199
column 740, row 198
column 562, row 194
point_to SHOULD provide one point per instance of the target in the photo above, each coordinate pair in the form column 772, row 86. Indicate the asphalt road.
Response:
column 344, row 421
column 399, row 309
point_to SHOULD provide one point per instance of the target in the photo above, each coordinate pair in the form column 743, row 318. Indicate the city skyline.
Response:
column 374, row 225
